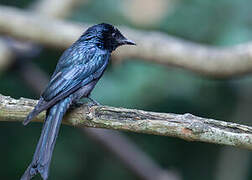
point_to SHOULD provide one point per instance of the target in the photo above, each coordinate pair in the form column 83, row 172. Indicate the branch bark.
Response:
column 186, row 126
column 217, row 62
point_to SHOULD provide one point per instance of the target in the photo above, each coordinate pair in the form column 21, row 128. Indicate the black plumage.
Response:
column 76, row 74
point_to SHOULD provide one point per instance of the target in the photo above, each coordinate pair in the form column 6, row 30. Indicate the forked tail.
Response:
column 43, row 154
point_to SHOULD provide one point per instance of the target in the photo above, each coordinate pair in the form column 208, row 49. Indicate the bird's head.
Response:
column 106, row 37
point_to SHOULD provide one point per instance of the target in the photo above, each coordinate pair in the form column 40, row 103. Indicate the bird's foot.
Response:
column 80, row 103
column 77, row 104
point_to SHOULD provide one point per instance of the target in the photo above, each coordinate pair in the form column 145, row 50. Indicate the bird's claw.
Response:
column 76, row 104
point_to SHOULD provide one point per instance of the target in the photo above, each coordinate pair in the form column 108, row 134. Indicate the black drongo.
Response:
column 76, row 74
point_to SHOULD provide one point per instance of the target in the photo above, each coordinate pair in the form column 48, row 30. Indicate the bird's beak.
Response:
column 127, row 41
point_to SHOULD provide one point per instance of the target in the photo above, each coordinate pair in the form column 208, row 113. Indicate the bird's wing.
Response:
column 69, row 79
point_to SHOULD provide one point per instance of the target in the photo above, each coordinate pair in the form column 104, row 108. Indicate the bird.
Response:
column 77, row 72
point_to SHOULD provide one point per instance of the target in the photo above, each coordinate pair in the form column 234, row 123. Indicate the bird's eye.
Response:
column 113, row 34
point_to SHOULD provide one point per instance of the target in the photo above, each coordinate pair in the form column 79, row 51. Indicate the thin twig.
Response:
column 130, row 155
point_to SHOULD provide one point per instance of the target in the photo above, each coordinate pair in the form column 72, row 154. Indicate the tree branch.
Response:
column 55, row 8
column 6, row 56
column 186, row 126
column 152, row 46
column 48, row 8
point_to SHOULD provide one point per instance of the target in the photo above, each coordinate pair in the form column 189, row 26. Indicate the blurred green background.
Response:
column 141, row 85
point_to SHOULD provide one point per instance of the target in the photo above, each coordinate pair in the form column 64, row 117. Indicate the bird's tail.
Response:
column 43, row 154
